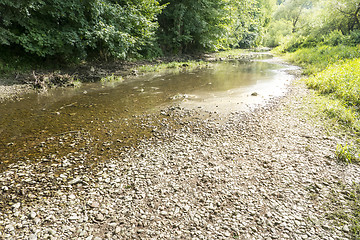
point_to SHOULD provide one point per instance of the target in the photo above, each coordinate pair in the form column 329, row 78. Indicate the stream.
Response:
column 96, row 117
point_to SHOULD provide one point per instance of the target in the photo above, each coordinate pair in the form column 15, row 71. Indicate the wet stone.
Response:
column 205, row 175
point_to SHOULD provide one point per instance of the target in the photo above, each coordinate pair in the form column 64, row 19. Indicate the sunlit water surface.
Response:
column 50, row 124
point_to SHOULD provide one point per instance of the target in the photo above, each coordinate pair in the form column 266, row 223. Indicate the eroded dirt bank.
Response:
column 261, row 175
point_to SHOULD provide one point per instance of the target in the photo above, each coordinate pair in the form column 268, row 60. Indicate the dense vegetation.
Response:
column 308, row 23
column 74, row 30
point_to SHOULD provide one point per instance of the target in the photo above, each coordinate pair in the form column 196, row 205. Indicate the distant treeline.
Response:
column 74, row 30
column 297, row 24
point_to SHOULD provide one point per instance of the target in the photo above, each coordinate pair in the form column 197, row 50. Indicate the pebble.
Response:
column 210, row 177
column 99, row 217
column 32, row 215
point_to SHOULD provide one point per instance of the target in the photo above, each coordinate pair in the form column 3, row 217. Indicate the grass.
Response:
column 316, row 59
column 340, row 80
column 111, row 80
column 339, row 84
column 348, row 215
column 346, row 212
column 174, row 67
column 335, row 76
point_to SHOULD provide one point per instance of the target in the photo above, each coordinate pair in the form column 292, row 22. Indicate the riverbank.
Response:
column 271, row 173
column 14, row 86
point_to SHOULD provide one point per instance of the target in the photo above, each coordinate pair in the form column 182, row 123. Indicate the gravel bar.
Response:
column 266, row 174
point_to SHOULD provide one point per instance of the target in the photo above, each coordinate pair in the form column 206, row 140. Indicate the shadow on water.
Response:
column 93, row 118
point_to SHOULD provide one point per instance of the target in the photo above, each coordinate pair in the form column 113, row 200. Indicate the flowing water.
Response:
column 94, row 117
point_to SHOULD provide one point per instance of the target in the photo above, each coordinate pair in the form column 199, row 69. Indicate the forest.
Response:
column 75, row 30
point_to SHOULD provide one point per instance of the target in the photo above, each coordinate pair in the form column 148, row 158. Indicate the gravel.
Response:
column 266, row 174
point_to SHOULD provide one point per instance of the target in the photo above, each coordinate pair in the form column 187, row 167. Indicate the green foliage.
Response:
column 318, row 58
column 307, row 23
column 192, row 25
column 111, row 78
column 346, row 153
column 342, row 81
column 121, row 31
column 188, row 26
column 277, row 33
column 70, row 30
column 293, row 11
column 74, row 30
column 174, row 67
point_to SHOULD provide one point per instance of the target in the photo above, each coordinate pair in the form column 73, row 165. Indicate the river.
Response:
column 96, row 117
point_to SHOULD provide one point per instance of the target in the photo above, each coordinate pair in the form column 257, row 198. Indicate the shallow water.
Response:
column 52, row 123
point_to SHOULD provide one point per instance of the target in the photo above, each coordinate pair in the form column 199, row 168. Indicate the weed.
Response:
column 349, row 214
column 174, row 67
column 319, row 58
column 76, row 83
column 111, row 79
column 347, row 153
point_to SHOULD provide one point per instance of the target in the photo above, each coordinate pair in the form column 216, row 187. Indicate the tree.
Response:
column 69, row 30
column 293, row 10
column 343, row 15
column 187, row 25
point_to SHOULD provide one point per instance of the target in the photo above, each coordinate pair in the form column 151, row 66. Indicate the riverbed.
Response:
column 194, row 171
column 33, row 128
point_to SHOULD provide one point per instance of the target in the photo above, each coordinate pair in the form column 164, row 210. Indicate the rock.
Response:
column 187, row 208
column 89, row 237
column 75, row 181
column 95, row 204
column 32, row 215
column 99, row 217
column 73, row 217
column 10, row 227
column 200, row 175
column 16, row 205
column 117, row 230
column 72, row 196
column 32, row 237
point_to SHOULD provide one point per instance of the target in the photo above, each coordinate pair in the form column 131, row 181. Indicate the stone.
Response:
column 32, row 237
column 32, row 215
column 16, row 205
column 95, row 204
column 99, row 217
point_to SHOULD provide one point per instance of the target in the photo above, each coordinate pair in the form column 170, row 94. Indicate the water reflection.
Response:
column 99, row 109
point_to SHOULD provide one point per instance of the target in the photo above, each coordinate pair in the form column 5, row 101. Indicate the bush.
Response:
column 71, row 30
column 334, row 38
column 318, row 58
column 354, row 38
column 341, row 80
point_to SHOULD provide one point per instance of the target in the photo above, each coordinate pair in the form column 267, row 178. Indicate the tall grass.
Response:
column 340, row 82
column 318, row 58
